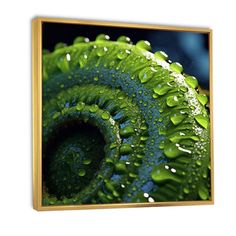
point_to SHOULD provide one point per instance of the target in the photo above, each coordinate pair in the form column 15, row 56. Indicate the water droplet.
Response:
column 109, row 160
column 144, row 44
column 155, row 95
column 143, row 127
column 161, row 174
column 121, row 167
column 204, row 175
column 124, row 39
column 109, row 185
column 133, row 121
column 172, row 101
column 80, row 106
column 173, row 150
column 121, row 96
column 143, row 138
column 140, row 156
column 183, row 89
column 123, row 54
column 177, row 118
column 198, row 162
column 132, row 175
column 115, row 193
column 162, row 144
column 81, row 39
column 161, row 55
column 102, row 37
column 176, row 67
column 101, row 51
column 202, row 120
column 186, row 190
column 63, row 64
column 203, row 193
column 105, row 115
column 191, row 81
column 82, row 172
column 176, row 137
column 125, row 149
column 122, row 186
column 202, row 98
column 52, row 200
column 137, row 164
column 59, row 45
column 162, row 130
column 83, row 59
column 93, row 108
column 146, row 74
column 68, row 58
column 87, row 161
column 161, row 89
column 127, row 131
column 56, row 115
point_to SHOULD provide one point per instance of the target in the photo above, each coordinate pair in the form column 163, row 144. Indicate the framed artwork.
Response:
column 122, row 115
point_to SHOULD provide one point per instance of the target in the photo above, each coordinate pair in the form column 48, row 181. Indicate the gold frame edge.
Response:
column 37, row 112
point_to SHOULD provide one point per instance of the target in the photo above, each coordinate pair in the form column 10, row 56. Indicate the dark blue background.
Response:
column 189, row 49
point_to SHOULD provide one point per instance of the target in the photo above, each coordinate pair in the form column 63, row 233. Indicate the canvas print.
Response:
column 125, row 115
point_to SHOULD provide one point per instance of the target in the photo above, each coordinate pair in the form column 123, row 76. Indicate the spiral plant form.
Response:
column 121, row 125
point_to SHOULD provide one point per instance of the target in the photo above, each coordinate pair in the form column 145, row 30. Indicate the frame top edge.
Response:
column 121, row 24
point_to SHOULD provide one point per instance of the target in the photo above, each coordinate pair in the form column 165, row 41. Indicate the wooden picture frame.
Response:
column 108, row 195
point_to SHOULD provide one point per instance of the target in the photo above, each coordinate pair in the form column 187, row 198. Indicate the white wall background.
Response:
column 17, row 215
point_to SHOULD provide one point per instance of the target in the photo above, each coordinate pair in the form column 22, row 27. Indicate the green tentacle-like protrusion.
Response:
column 121, row 124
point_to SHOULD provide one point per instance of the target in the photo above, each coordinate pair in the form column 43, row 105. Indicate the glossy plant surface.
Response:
column 121, row 124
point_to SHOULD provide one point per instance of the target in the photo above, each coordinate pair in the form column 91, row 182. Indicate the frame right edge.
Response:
column 210, row 41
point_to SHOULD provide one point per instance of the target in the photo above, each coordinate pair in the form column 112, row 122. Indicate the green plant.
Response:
column 121, row 124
